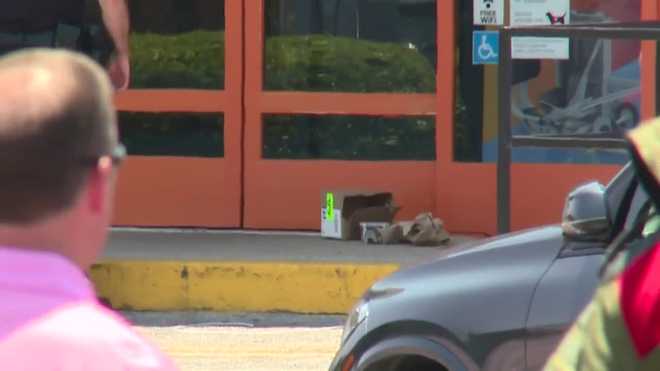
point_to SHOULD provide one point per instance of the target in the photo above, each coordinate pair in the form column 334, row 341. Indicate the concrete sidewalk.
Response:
column 241, row 271
column 195, row 245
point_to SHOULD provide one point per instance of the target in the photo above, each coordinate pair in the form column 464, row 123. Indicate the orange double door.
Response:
column 236, row 180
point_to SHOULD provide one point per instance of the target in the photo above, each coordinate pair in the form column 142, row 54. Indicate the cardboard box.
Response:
column 343, row 211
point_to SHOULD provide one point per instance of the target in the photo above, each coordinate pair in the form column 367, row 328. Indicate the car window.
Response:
column 639, row 214
column 639, row 219
column 618, row 197
column 653, row 223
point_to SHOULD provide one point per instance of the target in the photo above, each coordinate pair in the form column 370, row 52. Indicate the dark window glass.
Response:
column 174, row 43
column 469, row 111
column 172, row 134
column 350, row 45
column 569, row 155
column 348, row 137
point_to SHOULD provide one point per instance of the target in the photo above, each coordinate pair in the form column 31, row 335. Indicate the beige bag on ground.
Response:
column 425, row 231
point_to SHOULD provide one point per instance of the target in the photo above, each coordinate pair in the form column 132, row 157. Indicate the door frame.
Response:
column 166, row 191
column 284, row 194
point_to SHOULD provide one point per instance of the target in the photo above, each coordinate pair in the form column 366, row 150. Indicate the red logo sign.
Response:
column 554, row 19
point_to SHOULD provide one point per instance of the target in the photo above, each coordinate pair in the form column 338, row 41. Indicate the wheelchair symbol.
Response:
column 485, row 50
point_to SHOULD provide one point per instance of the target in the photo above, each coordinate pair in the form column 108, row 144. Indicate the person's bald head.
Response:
column 55, row 114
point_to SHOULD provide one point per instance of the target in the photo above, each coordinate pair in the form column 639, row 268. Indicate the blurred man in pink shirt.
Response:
column 59, row 154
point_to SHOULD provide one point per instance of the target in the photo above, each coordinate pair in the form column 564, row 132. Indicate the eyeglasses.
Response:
column 117, row 156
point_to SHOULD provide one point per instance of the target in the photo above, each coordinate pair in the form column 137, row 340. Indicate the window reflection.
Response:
column 343, row 137
column 350, row 45
column 177, row 43
column 595, row 92
column 539, row 85
column 174, row 43
column 172, row 134
column 597, row 11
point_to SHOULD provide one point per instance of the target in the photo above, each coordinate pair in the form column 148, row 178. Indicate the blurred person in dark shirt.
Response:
column 61, row 24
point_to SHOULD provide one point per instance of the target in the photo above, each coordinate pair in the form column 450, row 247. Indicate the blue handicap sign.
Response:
column 485, row 47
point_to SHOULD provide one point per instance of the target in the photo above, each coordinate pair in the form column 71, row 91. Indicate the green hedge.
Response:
column 307, row 63
column 344, row 137
column 310, row 63
column 328, row 63
column 188, row 60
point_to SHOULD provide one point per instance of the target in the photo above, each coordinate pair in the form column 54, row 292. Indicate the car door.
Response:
column 568, row 285
column 562, row 293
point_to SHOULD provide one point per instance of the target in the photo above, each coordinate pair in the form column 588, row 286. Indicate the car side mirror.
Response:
column 585, row 215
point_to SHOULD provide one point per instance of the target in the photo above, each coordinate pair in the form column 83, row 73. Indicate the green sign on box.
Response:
column 329, row 206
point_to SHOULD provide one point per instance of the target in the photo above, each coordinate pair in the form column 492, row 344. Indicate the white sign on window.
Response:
column 488, row 12
column 540, row 12
column 539, row 48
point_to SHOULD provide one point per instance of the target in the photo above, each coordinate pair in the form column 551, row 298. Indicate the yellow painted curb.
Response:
column 235, row 286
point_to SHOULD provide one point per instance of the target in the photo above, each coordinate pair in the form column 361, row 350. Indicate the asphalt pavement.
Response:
column 257, row 342
column 250, row 320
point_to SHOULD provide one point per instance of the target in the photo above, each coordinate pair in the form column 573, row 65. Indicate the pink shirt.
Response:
column 50, row 320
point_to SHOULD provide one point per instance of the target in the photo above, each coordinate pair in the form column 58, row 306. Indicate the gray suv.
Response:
column 498, row 304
